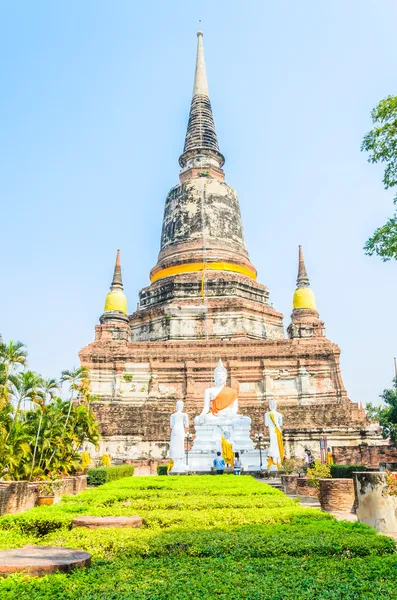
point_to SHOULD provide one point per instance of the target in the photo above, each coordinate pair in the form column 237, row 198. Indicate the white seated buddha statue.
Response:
column 220, row 402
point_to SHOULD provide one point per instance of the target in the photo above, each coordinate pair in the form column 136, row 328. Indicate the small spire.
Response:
column 117, row 282
column 200, row 87
column 116, row 300
column 303, row 279
column 201, row 138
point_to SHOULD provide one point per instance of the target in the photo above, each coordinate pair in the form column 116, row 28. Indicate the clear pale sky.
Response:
column 94, row 104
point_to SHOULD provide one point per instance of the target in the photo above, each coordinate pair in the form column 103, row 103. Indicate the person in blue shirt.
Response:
column 219, row 464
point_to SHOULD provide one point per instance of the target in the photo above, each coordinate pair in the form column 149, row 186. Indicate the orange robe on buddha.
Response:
column 223, row 400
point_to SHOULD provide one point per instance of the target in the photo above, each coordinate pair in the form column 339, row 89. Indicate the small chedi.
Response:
column 203, row 304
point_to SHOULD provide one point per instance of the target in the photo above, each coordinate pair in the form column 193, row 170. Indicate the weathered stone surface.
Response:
column 41, row 560
column 337, row 495
column 94, row 522
column 375, row 506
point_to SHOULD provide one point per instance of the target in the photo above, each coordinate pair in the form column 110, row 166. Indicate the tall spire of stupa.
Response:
column 201, row 139
column 116, row 300
column 303, row 296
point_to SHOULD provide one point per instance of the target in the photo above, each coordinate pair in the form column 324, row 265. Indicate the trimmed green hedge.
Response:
column 203, row 537
column 162, row 470
column 345, row 471
column 101, row 475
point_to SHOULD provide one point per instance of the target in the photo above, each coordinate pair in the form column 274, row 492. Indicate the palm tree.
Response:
column 47, row 391
column 12, row 355
column 78, row 380
column 24, row 387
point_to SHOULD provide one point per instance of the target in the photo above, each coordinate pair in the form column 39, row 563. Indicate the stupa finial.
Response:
column 303, row 279
column 117, row 281
column 201, row 139
column 200, row 86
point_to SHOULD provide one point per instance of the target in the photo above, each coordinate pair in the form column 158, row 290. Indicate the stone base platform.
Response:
column 41, row 560
column 94, row 522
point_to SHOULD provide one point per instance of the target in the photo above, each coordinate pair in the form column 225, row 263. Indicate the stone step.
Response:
column 41, row 560
column 93, row 522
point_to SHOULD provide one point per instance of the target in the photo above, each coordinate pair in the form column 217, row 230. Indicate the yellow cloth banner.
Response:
column 225, row 398
column 193, row 267
column 279, row 441
column 227, row 452
column 170, row 465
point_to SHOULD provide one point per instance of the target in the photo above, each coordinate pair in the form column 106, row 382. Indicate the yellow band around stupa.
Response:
column 193, row 267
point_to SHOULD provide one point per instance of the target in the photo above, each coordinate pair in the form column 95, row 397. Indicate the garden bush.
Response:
column 204, row 537
column 345, row 471
column 102, row 475
column 162, row 470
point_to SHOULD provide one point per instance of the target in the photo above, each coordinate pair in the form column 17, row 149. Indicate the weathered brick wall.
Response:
column 17, row 496
column 371, row 456
column 337, row 494
column 151, row 421
column 303, row 488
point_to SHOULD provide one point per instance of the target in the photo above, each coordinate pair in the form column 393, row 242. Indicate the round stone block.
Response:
column 92, row 522
column 41, row 560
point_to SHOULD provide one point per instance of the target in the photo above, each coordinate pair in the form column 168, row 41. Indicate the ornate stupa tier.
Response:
column 202, row 226
column 203, row 283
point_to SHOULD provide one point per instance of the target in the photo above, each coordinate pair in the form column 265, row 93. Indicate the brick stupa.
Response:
column 203, row 304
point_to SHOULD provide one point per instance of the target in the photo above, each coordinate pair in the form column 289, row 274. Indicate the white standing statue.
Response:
column 220, row 401
column 274, row 421
column 179, row 422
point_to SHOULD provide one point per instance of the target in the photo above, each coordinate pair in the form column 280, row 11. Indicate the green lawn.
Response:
column 203, row 537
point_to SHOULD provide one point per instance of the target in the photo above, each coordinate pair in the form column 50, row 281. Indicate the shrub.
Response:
column 101, row 475
column 232, row 538
column 319, row 471
column 391, row 483
column 293, row 465
column 345, row 471
column 162, row 470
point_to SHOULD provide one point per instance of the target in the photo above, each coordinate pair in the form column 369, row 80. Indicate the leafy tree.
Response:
column 41, row 434
column 381, row 143
column 387, row 413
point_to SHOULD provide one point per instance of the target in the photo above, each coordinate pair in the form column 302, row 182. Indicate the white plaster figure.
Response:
column 179, row 422
column 274, row 421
